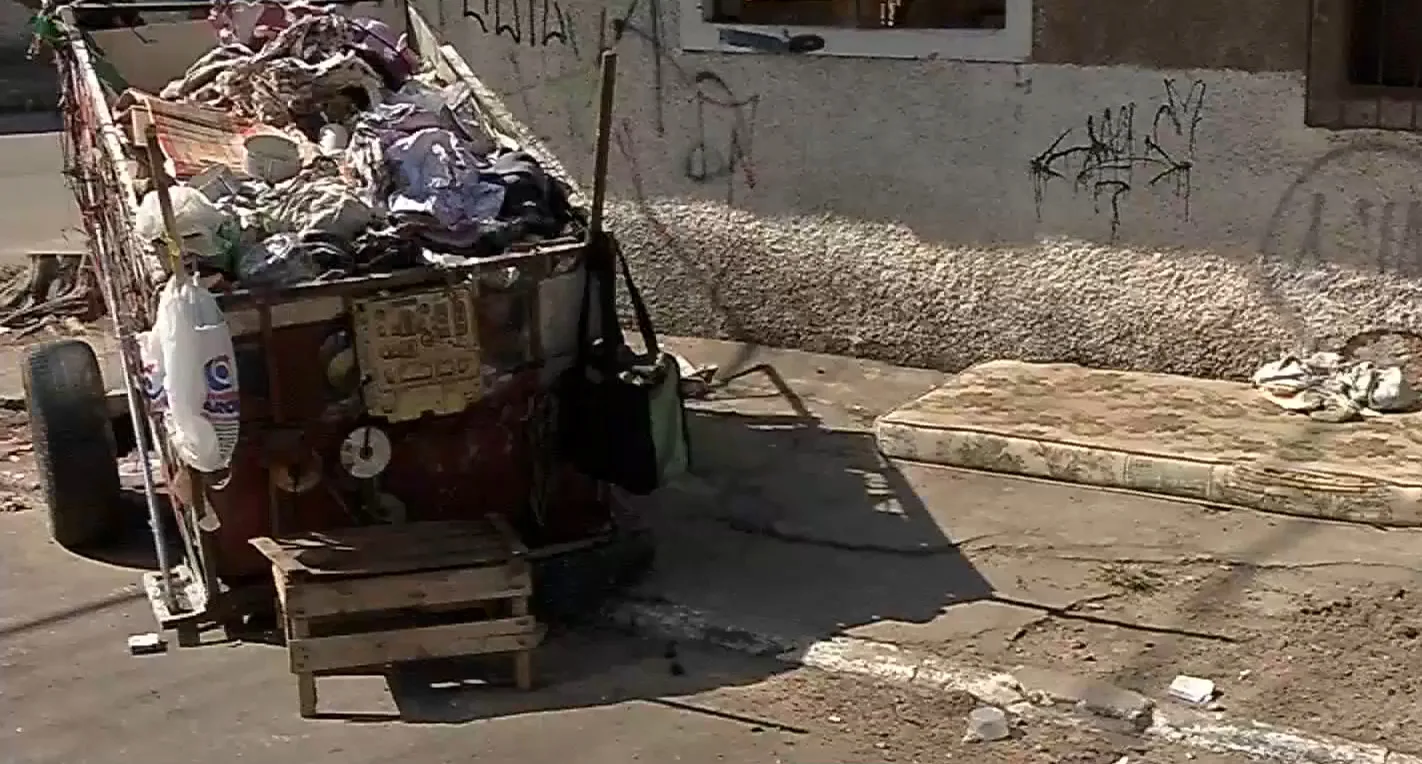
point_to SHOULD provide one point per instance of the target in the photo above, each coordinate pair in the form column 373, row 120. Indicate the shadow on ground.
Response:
column 790, row 490
column 785, row 483
column 578, row 669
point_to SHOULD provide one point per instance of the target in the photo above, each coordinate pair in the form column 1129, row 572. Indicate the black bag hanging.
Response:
column 622, row 418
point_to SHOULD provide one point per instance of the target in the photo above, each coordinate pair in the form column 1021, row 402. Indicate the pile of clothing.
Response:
column 1329, row 388
column 394, row 169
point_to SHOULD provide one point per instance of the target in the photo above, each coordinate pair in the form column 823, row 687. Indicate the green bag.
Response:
column 622, row 420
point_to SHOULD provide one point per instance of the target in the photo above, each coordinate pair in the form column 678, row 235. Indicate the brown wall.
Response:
column 1252, row 35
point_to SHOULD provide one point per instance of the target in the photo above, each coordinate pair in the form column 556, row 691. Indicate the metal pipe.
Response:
column 127, row 345
column 150, row 492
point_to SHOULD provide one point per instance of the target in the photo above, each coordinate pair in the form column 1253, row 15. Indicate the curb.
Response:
column 1048, row 696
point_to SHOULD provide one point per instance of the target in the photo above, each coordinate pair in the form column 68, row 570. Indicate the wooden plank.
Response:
column 294, row 629
column 506, row 533
column 314, row 598
column 523, row 660
column 395, row 560
column 280, row 557
column 372, row 550
column 416, row 532
column 384, row 647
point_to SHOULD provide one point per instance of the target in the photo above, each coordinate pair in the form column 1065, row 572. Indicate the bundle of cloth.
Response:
column 409, row 173
column 1330, row 388
column 280, row 73
column 457, row 193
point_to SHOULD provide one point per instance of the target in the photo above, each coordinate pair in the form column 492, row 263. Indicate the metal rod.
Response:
column 110, row 143
column 150, row 491
column 607, row 95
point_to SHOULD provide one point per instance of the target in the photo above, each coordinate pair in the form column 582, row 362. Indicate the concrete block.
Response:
column 1088, row 694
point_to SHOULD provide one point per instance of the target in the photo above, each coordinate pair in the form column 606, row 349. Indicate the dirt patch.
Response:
column 19, row 481
column 1343, row 659
column 887, row 723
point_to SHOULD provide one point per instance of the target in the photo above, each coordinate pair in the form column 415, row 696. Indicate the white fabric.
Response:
column 317, row 200
column 1328, row 382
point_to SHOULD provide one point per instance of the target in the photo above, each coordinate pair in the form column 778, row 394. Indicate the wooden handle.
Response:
column 606, row 94
column 165, row 200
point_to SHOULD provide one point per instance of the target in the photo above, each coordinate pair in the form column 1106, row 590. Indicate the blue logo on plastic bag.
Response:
column 219, row 374
column 151, row 388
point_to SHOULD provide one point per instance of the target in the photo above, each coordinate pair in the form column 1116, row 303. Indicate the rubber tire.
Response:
column 73, row 442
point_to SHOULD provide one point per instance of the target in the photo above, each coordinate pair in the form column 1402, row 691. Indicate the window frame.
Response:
column 1334, row 103
column 1011, row 44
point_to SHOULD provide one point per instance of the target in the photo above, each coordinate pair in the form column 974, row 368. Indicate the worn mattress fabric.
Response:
column 1198, row 439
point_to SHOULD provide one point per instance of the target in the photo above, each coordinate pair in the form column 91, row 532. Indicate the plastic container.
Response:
column 273, row 158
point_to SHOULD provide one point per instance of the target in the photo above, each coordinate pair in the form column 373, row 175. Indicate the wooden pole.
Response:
column 606, row 96
column 165, row 200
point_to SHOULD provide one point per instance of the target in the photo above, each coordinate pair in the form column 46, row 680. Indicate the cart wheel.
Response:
column 73, row 442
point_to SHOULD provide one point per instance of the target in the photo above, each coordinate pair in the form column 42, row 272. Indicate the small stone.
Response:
column 835, row 719
column 987, row 724
column 1245, row 674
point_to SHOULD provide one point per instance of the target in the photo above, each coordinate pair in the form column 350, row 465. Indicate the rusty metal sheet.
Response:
column 419, row 352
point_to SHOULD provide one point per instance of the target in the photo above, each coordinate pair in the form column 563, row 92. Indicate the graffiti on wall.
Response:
column 718, row 153
column 535, row 23
column 721, row 144
column 1125, row 148
column 1389, row 230
column 720, row 119
column 1356, row 207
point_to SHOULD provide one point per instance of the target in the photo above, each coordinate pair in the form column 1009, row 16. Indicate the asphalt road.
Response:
column 37, row 212
column 71, row 694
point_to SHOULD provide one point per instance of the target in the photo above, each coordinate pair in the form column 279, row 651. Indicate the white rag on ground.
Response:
column 1334, row 388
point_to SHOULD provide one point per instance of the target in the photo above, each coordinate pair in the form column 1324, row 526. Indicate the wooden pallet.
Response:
column 373, row 596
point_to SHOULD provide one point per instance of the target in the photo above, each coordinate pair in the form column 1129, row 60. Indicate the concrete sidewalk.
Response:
column 796, row 528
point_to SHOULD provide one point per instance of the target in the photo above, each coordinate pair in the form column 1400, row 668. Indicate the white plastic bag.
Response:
column 200, row 375
column 152, row 374
column 199, row 221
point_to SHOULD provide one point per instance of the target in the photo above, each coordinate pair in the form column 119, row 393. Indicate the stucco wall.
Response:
column 1264, row 35
column 939, row 213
